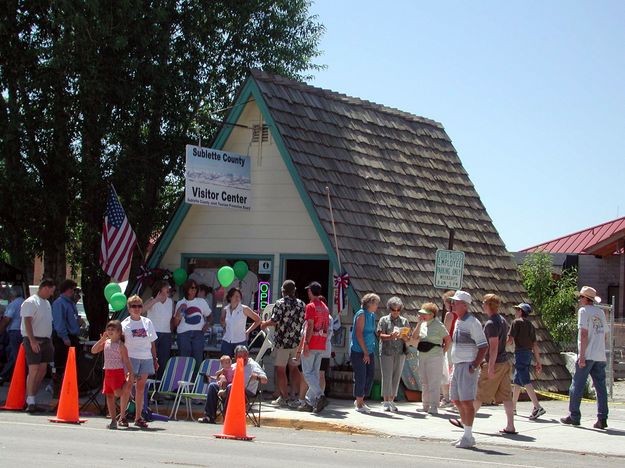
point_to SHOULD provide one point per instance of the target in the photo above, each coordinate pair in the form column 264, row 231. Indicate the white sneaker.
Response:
column 363, row 409
column 537, row 413
column 394, row 406
column 386, row 406
column 433, row 410
column 466, row 442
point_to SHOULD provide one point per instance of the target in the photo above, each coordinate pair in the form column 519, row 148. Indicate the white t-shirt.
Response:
column 592, row 318
column 248, row 287
column 207, row 276
column 194, row 315
column 467, row 339
column 138, row 336
column 160, row 313
column 41, row 312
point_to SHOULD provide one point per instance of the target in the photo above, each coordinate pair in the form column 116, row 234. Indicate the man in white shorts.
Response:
column 469, row 346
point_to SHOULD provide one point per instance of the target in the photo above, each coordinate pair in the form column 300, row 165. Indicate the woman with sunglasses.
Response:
column 139, row 338
column 190, row 320
column 392, row 356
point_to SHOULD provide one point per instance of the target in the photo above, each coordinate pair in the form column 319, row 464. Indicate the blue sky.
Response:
column 532, row 94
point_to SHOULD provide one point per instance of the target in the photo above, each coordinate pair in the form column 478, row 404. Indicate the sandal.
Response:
column 507, row 432
column 140, row 422
column 457, row 423
column 122, row 422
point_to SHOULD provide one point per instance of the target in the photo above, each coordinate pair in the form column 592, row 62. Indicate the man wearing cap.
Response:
column 317, row 322
column 592, row 326
column 523, row 335
column 469, row 347
column 287, row 317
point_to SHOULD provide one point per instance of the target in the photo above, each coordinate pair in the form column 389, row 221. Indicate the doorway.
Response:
column 305, row 271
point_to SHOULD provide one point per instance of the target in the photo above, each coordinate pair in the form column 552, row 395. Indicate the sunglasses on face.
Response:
column 192, row 288
column 396, row 310
column 135, row 306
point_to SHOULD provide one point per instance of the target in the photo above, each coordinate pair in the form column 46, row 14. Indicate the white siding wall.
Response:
column 277, row 223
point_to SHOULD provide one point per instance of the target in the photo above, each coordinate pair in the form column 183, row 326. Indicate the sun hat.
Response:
column 589, row 293
column 462, row 296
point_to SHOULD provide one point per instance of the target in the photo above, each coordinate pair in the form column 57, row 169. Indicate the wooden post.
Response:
column 450, row 244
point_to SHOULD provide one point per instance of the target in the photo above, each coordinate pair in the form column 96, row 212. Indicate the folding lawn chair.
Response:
column 178, row 369
column 196, row 390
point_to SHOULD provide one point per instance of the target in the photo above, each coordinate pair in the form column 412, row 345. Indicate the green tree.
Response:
column 98, row 92
column 553, row 298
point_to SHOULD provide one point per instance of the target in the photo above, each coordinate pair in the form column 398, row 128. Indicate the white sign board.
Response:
column 217, row 178
column 448, row 269
column 264, row 267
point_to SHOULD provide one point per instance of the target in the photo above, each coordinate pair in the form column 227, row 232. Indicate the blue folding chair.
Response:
column 198, row 389
column 178, row 369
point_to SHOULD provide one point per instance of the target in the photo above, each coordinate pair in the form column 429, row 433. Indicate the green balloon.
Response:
column 118, row 301
column 225, row 275
column 240, row 269
column 111, row 289
column 180, row 276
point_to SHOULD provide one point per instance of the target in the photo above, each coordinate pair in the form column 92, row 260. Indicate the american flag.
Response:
column 118, row 240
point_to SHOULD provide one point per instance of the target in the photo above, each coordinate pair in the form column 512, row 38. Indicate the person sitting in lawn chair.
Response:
column 253, row 374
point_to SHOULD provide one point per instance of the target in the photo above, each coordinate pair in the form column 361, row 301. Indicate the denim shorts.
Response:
column 142, row 366
column 522, row 363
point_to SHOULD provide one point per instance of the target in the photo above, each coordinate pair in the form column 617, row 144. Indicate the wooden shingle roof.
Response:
column 398, row 187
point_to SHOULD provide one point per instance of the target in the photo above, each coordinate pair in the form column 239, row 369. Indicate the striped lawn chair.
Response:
column 177, row 369
column 197, row 390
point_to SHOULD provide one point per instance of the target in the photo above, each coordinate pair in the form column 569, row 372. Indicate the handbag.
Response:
column 425, row 346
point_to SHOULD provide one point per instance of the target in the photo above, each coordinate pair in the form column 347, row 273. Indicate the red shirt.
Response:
column 318, row 312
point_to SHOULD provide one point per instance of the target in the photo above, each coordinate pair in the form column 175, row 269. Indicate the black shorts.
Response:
column 325, row 364
column 45, row 354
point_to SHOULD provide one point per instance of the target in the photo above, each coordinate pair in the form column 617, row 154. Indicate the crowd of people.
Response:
column 461, row 361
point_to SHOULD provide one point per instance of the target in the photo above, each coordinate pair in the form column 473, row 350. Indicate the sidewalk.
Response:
column 544, row 434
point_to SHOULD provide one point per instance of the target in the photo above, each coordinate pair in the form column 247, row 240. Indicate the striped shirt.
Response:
column 468, row 337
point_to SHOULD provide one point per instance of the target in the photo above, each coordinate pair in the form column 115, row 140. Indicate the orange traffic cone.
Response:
column 16, row 398
column 234, row 422
column 68, row 402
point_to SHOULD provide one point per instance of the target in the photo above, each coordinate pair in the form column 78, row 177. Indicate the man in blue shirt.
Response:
column 12, row 320
column 66, row 324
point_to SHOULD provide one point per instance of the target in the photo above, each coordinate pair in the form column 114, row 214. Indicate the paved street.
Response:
column 33, row 441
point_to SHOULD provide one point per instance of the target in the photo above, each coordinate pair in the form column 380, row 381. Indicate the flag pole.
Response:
column 336, row 244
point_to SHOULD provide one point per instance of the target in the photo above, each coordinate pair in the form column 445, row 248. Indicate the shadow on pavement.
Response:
column 607, row 431
column 519, row 437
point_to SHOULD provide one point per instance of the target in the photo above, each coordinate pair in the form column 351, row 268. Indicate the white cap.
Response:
column 462, row 296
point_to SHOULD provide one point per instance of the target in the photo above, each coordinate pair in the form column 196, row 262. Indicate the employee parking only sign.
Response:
column 449, row 269
column 217, row 178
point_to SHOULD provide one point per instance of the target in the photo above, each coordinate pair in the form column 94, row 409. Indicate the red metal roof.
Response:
column 597, row 240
